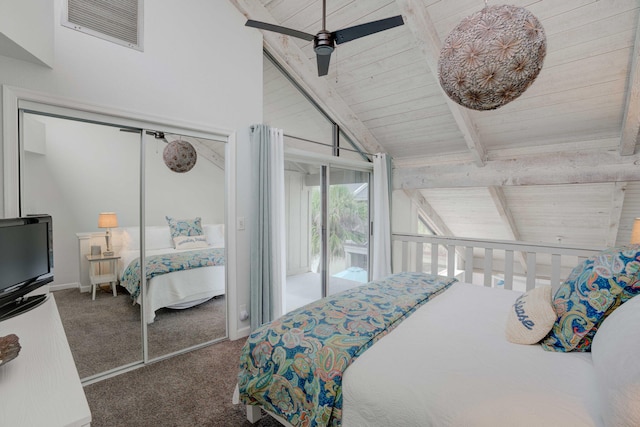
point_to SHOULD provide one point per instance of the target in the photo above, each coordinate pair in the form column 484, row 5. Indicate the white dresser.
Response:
column 41, row 386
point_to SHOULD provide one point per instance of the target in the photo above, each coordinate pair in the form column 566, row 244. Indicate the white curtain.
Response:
column 268, row 268
column 381, row 261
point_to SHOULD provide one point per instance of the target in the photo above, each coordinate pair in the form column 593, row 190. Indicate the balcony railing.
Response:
column 514, row 265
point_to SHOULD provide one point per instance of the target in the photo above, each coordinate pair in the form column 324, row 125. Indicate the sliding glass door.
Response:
column 348, row 229
column 303, row 231
column 327, row 231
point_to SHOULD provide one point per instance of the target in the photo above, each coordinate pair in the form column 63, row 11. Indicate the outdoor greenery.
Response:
column 347, row 217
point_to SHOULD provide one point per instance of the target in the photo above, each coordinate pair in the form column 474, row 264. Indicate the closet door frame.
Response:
column 15, row 100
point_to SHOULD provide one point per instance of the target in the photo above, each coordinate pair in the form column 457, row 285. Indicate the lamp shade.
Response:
column 492, row 57
column 635, row 232
column 179, row 156
column 107, row 220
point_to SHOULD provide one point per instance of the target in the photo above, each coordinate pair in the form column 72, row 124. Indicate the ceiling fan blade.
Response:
column 323, row 64
column 357, row 31
column 279, row 29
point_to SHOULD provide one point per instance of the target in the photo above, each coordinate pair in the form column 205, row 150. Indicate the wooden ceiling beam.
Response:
column 617, row 203
column 547, row 169
column 434, row 220
column 630, row 135
column 304, row 72
column 500, row 201
column 417, row 18
column 207, row 151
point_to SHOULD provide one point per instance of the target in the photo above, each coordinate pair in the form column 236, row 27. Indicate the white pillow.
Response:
column 130, row 238
column 190, row 242
column 215, row 234
column 531, row 317
column 158, row 237
column 615, row 352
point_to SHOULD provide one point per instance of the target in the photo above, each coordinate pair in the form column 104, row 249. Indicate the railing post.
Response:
column 451, row 260
column 508, row 269
column 419, row 254
column 468, row 264
column 531, row 270
column 434, row 258
column 488, row 266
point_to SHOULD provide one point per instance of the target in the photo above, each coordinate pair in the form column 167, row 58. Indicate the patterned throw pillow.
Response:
column 591, row 292
column 185, row 227
column 190, row 242
column 531, row 317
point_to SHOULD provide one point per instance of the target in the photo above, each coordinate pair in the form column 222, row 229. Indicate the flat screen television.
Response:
column 26, row 262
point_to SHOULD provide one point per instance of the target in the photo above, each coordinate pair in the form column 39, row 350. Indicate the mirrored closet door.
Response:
column 103, row 183
column 75, row 171
column 185, row 237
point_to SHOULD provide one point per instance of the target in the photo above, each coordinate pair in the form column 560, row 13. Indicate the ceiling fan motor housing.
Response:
column 323, row 43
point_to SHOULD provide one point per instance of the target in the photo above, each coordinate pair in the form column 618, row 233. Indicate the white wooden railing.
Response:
column 524, row 263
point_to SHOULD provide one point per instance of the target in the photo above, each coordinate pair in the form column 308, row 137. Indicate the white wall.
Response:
column 200, row 65
column 27, row 42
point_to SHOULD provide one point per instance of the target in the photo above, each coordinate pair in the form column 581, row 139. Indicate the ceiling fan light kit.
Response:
column 324, row 42
column 492, row 57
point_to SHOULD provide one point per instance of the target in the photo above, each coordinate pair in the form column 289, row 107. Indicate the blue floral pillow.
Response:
column 185, row 227
column 591, row 292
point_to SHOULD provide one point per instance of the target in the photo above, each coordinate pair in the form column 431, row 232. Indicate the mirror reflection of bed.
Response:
column 185, row 284
column 74, row 170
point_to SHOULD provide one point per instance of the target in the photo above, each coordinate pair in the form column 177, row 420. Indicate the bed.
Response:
column 447, row 363
column 176, row 278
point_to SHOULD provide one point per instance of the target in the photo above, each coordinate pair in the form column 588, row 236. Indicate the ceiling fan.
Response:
column 324, row 42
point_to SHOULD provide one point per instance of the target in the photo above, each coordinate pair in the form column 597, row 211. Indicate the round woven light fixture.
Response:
column 179, row 156
column 492, row 57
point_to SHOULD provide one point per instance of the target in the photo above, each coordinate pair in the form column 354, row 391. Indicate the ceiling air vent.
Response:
column 118, row 21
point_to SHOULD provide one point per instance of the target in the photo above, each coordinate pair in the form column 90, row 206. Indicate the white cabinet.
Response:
column 41, row 386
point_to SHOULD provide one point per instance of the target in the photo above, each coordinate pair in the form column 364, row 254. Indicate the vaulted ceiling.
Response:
column 558, row 164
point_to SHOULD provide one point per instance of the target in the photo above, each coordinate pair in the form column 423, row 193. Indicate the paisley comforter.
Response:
column 168, row 263
column 293, row 366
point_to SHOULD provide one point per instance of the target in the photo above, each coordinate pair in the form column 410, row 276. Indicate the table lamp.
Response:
column 107, row 220
column 635, row 232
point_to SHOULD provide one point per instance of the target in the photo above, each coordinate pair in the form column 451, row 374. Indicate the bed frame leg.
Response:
column 253, row 413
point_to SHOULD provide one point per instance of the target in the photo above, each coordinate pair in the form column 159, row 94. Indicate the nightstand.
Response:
column 97, row 276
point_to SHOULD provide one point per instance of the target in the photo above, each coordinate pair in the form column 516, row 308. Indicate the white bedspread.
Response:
column 179, row 289
column 449, row 364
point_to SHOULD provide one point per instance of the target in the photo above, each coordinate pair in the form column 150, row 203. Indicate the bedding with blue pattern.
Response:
column 293, row 366
column 168, row 263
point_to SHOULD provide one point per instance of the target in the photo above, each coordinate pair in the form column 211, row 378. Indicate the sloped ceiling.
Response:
column 558, row 164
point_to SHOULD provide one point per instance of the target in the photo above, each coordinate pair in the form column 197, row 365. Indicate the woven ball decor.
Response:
column 492, row 57
column 179, row 156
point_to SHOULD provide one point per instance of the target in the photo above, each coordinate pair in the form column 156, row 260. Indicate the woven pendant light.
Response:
column 179, row 156
column 492, row 57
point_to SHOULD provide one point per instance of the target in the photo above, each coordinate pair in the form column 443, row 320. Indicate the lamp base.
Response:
column 107, row 253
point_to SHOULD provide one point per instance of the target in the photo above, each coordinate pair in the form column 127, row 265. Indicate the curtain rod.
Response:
column 252, row 127
column 328, row 145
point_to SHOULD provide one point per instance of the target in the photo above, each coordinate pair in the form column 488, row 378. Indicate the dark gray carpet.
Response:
column 193, row 389
column 106, row 333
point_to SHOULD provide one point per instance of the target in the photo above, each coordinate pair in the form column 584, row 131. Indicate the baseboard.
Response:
column 64, row 286
column 242, row 333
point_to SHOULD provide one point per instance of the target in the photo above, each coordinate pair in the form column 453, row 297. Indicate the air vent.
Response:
column 118, row 21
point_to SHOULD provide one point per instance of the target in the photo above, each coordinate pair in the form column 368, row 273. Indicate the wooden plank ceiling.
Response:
column 558, row 164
